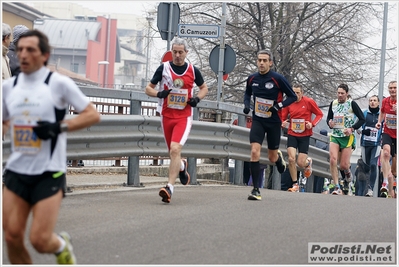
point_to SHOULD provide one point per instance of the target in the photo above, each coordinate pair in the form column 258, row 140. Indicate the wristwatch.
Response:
column 63, row 127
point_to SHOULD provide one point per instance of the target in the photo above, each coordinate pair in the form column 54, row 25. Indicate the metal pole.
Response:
column 383, row 51
column 98, row 74
column 149, row 19
column 107, row 49
column 170, row 25
column 221, row 53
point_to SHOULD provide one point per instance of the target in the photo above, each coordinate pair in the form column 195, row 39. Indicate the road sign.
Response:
column 163, row 19
column 229, row 59
column 198, row 30
column 167, row 56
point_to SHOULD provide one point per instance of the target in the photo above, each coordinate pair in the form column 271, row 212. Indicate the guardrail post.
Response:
column 192, row 162
column 133, row 167
column 239, row 164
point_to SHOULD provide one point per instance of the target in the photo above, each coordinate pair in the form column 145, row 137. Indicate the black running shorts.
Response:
column 33, row 188
column 301, row 143
column 388, row 140
column 272, row 130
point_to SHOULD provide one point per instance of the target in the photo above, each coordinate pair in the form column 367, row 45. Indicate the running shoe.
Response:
column 345, row 188
column 184, row 175
column 280, row 163
column 255, row 195
column 295, row 188
column 307, row 172
column 384, row 194
column 337, row 191
column 331, row 188
column 369, row 193
column 384, row 190
column 165, row 194
column 66, row 256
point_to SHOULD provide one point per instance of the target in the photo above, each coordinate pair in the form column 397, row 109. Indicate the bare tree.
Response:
column 318, row 44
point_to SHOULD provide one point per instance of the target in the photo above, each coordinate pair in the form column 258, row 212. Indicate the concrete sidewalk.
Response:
column 106, row 178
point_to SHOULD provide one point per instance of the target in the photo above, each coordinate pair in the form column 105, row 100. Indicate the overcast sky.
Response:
column 124, row 7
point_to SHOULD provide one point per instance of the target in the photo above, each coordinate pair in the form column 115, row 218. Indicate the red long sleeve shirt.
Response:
column 300, row 112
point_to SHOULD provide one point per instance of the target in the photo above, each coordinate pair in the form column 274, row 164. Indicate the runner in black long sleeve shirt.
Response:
column 267, row 88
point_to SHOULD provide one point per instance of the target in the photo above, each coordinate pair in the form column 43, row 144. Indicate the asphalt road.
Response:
column 214, row 224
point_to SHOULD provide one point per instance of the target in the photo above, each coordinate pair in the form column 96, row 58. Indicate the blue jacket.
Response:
column 375, row 136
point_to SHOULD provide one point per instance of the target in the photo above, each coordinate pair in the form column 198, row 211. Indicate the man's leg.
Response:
column 292, row 163
column 393, row 171
column 45, row 214
column 375, row 153
column 255, row 170
column 386, row 168
column 15, row 216
column 344, row 165
column 334, row 150
column 175, row 162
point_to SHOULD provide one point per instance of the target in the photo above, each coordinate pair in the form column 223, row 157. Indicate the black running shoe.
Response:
column 255, row 195
column 165, row 194
column 184, row 175
column 345, row 188
column 280, row 163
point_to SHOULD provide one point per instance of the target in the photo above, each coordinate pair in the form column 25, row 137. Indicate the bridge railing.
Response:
column 134, row 136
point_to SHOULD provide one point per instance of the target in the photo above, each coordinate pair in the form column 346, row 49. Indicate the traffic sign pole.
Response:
column 221, row 54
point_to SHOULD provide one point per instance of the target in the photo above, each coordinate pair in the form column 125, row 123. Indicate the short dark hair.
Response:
column 265, row 52
column 344, row 86
column 298, row 85
column 44, row 44
column 376, row 97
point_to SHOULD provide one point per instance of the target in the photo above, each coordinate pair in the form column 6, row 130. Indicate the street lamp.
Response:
column 150, row 19
column 98, row 73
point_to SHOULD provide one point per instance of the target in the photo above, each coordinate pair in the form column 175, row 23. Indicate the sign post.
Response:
column 168, row 17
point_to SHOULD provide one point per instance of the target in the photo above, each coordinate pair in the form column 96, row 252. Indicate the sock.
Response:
column 181, row 166
column 255, row 169
column 170, row 187
column 63, row 243
column 385, row 180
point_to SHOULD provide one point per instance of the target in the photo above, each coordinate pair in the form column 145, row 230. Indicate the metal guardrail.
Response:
column 137, row 135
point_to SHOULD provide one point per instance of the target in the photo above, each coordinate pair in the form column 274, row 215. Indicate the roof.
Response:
column 70, row 34
column 74, row 76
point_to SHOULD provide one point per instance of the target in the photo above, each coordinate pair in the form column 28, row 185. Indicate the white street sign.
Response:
column 198, row 30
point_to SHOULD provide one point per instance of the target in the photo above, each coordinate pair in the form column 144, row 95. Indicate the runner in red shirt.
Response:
column 177, row 100
column 388, row 140
column 300, row 125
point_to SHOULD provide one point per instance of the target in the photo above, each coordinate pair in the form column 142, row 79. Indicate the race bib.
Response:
column 390, row 121
column 298, row 125
column 177, row 98
column 262, row 107
column 24, row 139
column 339, row 120
column 373, row 134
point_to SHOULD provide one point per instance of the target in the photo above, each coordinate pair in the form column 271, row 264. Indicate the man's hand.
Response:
column 46, row 130
column 163, row 93
column 274, row 108
column 246, row 110
column 193, row 101
column 366, row 132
